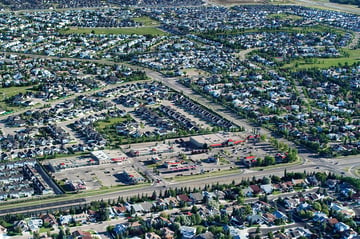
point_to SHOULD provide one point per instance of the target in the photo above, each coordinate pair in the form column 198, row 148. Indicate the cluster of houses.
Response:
column 271, row 99
column 247, row 17
column 162, row 125
column 179, row 118
column 22, row 179
column 185, row 54
column 103, row 17
column 320, row 210
column 54, row 79
column 199, row 111
column 289, row 44
column 53, row 37
column 31, row 4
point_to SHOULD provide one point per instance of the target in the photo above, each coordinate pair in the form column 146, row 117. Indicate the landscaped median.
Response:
column 67, row 197
column 208, row 175
column 298, row 161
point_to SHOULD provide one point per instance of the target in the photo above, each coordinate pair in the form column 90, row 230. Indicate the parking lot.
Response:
column 95, row 176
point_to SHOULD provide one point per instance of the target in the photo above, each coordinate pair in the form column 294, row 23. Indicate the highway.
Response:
column 195, row 183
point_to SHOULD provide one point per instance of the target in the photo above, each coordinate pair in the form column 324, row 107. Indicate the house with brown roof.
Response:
column 81, row 217
column 120, row 210
column 269, row 218
column 332, row 221
column 255, row 189
column 78, row 234
column 152, row 235
column 167, row 233
column 184, row 198
column 48, row 218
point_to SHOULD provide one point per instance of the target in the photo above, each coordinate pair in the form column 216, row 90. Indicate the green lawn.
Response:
column 283, row 16
column 317, row 28
column 65, row 197
column 44, row 229
column 9, row 92
column 146, row 21
column 153, row 31
column 110, row 122
column 323, row 63
column 207, row 175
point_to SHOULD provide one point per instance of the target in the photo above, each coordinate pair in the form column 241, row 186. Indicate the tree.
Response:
column 61, row 234
column 153, row 196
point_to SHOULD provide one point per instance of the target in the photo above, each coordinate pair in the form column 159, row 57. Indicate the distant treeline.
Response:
column 353, row 2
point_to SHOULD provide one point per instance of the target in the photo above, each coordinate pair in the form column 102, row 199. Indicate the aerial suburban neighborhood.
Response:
column 179, row 119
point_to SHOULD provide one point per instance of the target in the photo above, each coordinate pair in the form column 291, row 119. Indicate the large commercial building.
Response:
column 215, row 140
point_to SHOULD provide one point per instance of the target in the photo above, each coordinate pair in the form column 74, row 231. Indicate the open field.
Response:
column 307, row 29
column 207, row 175
column 153, row 31
column 323, row 63
column 146, row 21
column 284, row 16
column 11, row 91
column 102, row 124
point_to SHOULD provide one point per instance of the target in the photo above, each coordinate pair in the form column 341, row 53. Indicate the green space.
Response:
column 283, row 16
column 279, row 165
column 207, row 175
column 8, row 92
column 65, row 197
column 14, row 90
column 349, row 57
column 45, row 229
column 153, row 31
column 102, row 124
column 146, row 21
column 317, row 28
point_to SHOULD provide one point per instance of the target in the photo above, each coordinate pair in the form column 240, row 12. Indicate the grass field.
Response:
column 11, row 91
column 317, row 28
column 153, row 31
column 208, row 175
column 283, row 16
column 323, row 63
column 104, row 123
column 146, row 21
column 66, row 197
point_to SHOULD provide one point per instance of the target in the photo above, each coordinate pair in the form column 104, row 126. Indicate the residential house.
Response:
column 65, row 219
column 166, row 233
column 120, row 229
column 34, row 224
column 147, row 206
column 152, row 235
column 185, row 199
column 48, row 219
column 280, row 215
column 267, row 188
column 206, row 235
column 255, row 219
column 187, row 232
column 22, row 225
column 78, row 234
column 269, row 218
column 341, row 227
column 80, row 218
column 196, row 197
